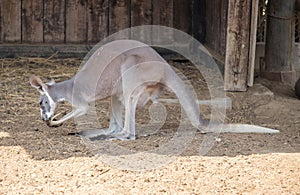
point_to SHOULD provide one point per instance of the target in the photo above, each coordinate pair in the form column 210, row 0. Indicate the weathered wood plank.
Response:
column 182, row 14
column 236, row 62
column 163, row 15
column 209, row 21
column 10, row 21
column 97, row 18
column 32, row 21
column 119, row 16
column 216, row 25
column 54, row 21
column 163, row 12
column 198, row 19
column 76, row 24
column 223, row 27
column 213, row 15
column 141, row 14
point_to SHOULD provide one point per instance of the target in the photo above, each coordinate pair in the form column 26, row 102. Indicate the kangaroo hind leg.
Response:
column 115, row 123
column 116, row 132
column 131, row 93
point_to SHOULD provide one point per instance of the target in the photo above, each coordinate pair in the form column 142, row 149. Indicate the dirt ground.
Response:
column 37, row 159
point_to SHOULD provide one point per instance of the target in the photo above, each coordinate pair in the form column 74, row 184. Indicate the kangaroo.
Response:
column 131, row 73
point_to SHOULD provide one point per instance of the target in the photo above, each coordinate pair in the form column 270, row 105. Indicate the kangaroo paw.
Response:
column 52, row 123
column 98, row 132
column 113, row 137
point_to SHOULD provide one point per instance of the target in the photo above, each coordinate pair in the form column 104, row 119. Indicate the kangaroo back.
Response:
column 105, row 67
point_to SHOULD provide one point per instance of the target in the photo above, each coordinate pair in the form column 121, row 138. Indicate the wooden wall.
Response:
column 86, row 22
column 89, row 21
column 216, row 25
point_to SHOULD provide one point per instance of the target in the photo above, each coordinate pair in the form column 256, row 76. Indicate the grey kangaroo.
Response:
column 131, row 73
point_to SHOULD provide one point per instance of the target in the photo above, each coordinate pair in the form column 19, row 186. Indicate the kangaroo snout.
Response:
column 45, row 116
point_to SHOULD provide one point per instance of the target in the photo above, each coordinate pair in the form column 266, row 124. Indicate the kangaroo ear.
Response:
column 37, row 83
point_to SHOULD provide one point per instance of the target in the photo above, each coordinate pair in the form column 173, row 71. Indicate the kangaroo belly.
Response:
column 150, row 92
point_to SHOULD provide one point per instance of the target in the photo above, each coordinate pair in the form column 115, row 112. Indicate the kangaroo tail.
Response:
column 186, row 98
column 188, row 102
column 242, row 128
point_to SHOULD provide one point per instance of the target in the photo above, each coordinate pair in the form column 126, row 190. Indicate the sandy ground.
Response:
column 36, row 159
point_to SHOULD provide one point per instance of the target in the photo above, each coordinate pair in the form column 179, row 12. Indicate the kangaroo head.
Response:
column 47, row 104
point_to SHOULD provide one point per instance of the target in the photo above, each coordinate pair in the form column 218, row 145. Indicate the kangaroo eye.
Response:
column 46, row 102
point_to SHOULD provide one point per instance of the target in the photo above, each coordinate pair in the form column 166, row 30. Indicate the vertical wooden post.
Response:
column 252, row 49
column 280, row 41
column 237, row 56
